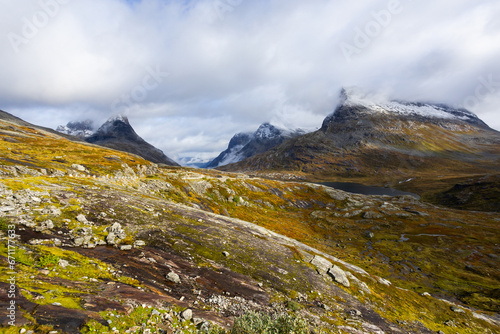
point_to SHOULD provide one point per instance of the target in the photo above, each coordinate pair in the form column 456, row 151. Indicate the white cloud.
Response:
column 230, row 70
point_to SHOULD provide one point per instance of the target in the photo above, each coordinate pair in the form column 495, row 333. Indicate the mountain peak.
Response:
column 354, row 98
column 245, row 145
column 117, row 133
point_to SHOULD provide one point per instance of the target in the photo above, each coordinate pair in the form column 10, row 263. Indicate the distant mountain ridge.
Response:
column 245, row 145
column 385, row 142
column 80, row 129
column 118, row 134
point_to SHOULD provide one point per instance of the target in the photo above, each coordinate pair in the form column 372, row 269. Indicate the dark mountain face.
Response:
column 118, row 134
column 245, row 145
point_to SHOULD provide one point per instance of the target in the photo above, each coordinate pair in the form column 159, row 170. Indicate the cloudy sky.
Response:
column 191, row 73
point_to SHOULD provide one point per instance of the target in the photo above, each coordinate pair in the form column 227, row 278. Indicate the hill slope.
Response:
column 106, row 240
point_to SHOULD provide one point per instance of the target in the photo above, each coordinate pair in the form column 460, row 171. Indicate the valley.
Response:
column 107, row 242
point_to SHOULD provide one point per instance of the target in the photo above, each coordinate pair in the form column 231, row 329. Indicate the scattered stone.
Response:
column 355, row 313
column 22, row 331
column 226, row 254
column 57, row 304
column 115, row 233
column 63, row 263
column 79, row 168
column 173, row 277
column 125, row 247
column 370, row 234
column 44, row 271
column 81, row 218
column 187, row 314
column 282, row 271
column 139, row 243
column 372, row 215
column 457, row 309
column 339, row 276
column 426, row 294
column 155, row 312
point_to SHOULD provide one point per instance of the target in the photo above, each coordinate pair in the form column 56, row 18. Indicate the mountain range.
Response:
column 117, row 133
column 108, row 242
column 421, row 147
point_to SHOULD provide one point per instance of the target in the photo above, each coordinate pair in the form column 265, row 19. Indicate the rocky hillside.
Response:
column 117, row 133
column 245, row 145
column 379, row 142
column 100, row 241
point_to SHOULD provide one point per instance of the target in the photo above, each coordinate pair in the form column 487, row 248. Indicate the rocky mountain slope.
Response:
column 245, row 145
column 100, row 241
column 117, row 133
column 379, row 142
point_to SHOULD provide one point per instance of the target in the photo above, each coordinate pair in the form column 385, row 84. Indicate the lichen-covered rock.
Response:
column 322, row 265
column 339, row 276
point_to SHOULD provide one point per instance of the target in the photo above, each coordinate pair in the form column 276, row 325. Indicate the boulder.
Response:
column 173, row 277
column 339, row 276
column 187, row 314
column 322, row 265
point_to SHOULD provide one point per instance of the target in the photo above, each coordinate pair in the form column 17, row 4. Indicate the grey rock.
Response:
column 125, row 247
column 457, row 309
column 321, row 264
column 226, row 254
column 139, row 243
column 79, row 168
column 81, row 218
column 372, row 215
column 187, row 314
column 63, row 263
column 339, row 276
column 173, row 277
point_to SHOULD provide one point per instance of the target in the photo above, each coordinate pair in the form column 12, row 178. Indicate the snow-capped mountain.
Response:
column 81, row 129
column 118, row 134
column 245, row 145
column 372, row 103
column 372, row 138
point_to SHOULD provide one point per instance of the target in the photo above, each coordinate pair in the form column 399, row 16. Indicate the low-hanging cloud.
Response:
column 189, row 74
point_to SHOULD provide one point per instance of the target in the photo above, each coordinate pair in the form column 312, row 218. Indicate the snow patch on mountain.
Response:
column 111, row 122
column 355, row 97
column 82, row 129
column 244, row 145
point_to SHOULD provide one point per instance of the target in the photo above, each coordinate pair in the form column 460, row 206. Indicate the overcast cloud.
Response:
column 189, row 74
